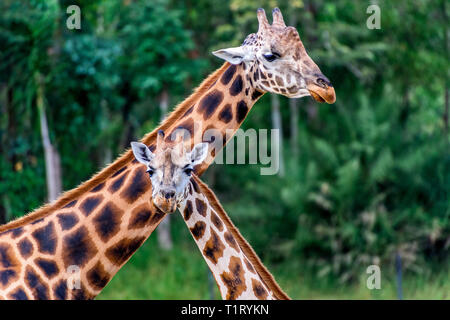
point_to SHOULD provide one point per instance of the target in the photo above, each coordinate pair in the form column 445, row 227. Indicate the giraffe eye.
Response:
column 271, row 56
column 150, row 172
column 188, row 171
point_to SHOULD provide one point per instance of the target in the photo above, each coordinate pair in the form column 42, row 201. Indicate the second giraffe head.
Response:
column 170, row 167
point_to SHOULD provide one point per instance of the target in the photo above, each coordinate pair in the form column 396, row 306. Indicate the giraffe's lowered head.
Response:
column 170, row 168
column 276, row 61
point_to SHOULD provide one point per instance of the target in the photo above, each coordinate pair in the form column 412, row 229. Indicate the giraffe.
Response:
column 238, row 271
column 101, row 223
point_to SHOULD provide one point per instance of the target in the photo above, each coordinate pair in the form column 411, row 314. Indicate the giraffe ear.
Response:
column 199, row 153
column 141, row 152
column 233, row 55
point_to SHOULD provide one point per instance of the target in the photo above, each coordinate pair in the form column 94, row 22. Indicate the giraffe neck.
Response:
column 221, row 101
column 116, row 193
column 238, row 272
column 73, row 252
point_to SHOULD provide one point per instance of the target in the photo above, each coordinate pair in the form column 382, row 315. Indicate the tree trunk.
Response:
column 52, row 159
column 4, row 111
column 446, row 110
column 163, row 230
column 293, row 104
column 293, row 109
column 277, row 124
column 446, row 114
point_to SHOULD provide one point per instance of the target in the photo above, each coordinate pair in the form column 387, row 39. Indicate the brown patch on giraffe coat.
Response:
column 258, row 289
column 16, row 232
column 46, row 238
column 107, row 221
column 234, row 279
column 67, row 220
column 138, row 185
column 200, row 205
column 231, row 241
column 98, row 187
column 140, row 216
column 18, row 294
column 209, row 103
column 25, row 248
column 122, row 250
column 263, row 76
column 7, row 276
column 237, row 86
column 36, row 285
column 78, row 248
column 81, row 294
column 241, row 111
column 48, row 267
column 216, row 221
column 116, row 184
column 70, row 204
column 98, row 277
column 195, row 185
column 214, row 248
column 226, row 114
column 256, row 75
column 188, row 112
column 279, row 81
column 249, row 266
column 198, row 230
column 187, row 212
column 157, row 216
column 90, row 203
column 292, row 89
column 256, row 94
column 119, row 171
column 60, row 290
column 228, row 74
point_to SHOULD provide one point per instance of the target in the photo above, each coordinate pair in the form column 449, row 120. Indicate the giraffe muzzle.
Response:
column 321, row 89
column 166, row 202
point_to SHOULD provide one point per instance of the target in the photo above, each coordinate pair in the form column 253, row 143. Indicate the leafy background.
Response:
column 366, row 179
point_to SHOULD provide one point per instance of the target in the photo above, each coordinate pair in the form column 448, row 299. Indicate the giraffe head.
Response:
column 170, row 168
column 276, row 61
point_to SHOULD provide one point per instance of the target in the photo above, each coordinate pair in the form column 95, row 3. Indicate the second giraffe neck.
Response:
column 238, row 272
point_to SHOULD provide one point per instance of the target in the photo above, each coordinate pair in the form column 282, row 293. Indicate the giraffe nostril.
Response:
column 323, row 82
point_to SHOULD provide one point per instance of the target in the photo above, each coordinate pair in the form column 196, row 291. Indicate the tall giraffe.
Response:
column 238, row 271
column 101, row 223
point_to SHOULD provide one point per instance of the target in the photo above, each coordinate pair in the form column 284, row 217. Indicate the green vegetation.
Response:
column 365, row 178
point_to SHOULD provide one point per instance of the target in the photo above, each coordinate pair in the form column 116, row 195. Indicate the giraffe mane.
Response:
column 265, row 275
column 126, row 157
